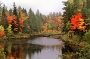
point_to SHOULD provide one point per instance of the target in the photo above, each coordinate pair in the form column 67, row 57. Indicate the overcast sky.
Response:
column 44, row 6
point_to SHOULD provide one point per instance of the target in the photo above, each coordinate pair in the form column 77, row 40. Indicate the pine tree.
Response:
column 28, row 24
column 17, row 25
column 14, row 9
column 4, row 22
column 25, row 11
column 0, row 7
column 88, row 4
column 10, row 11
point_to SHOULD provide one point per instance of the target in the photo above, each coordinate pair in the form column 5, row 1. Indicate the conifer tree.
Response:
column 4, row 22
column 17, row 25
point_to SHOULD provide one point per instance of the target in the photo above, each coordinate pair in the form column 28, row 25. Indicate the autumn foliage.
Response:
column 77, row 22
column 2, row 33
column 10, row 18
column 17, row 23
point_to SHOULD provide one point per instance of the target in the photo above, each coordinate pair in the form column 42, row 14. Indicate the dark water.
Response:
column 38, row 48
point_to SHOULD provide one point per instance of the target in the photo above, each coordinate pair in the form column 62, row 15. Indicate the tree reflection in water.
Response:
column 46, row 52
column 31, row 51
column 51, row 48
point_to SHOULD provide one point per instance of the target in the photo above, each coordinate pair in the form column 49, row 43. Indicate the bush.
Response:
column 86, row 37
column 9, row 31
column 2, row 53
column 84, row 53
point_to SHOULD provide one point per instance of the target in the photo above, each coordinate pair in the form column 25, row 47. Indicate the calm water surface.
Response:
column 51, row 48
column 38, row 48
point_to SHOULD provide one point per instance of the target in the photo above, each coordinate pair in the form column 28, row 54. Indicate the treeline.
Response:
column 76, row 16
column 19, row 20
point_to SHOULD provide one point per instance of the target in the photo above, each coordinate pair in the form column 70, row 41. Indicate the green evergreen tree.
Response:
column 85, row 12
column 88, row 4
column 34, row 22
column 10, row 11
column 25, row 11
column 39, row 20
column 69, row 11
column 14, row 9
column 4, row 22
column 86, row 9
column 1, row 7
column 28, row 24
column 17, row 25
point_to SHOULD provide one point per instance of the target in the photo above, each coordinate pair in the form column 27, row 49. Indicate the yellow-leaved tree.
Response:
column 2, row 32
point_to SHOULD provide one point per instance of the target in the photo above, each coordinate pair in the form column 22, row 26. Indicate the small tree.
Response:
column 9, row 30
column 86, row 37
column 2, row 33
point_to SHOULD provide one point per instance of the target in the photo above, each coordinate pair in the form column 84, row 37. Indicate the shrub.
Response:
column 86, row 37
column 2, row 53
column 84, row 53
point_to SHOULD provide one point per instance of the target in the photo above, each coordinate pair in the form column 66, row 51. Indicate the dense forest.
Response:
column 76, row 16
column 76, row 19
column 18, row 20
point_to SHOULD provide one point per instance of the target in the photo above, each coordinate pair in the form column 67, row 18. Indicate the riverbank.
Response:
column 75, row 48
column 27, row 36
column 13, row 44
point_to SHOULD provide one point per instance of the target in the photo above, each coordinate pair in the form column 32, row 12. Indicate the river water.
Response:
column 51, row 48
column 37, row 48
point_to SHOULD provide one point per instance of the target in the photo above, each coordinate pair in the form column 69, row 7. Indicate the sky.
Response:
column 44, row 6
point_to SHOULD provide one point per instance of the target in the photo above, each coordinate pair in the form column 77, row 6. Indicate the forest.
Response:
column 18, row 20
column 74, row 24
column 76, row 19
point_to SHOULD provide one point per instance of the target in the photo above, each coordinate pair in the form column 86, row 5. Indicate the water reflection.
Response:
column 47, row 53
column 14, row 51
column 19, row 50
column 51, row 49
column 46, row 41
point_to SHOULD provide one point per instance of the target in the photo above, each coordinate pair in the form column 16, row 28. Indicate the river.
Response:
column 37, row 48
column 51, row 48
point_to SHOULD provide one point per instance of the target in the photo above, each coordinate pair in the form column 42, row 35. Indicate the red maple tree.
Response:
column 75, row 21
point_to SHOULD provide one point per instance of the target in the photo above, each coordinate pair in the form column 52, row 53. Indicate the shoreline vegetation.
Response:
column 18, row 41
column 75, row 47
column 27, row 36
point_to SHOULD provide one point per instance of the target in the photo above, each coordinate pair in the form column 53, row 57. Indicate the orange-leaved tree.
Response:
column 9, row 18
column 77, row 22
column 12, row 19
